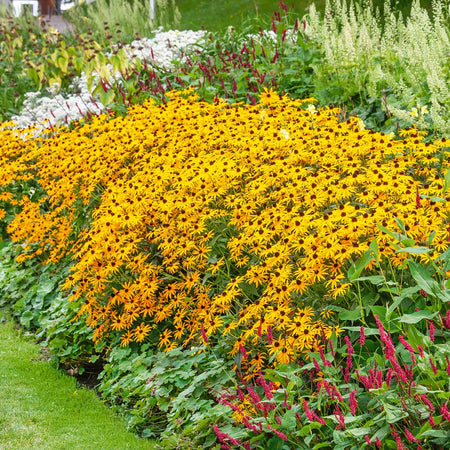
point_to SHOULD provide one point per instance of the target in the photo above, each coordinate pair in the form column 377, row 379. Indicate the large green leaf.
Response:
column 416, row 316
column 414, row 250
column 355, row 270
column 426, row 282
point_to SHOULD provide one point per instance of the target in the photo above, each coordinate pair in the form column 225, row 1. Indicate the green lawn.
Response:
column 41, row 408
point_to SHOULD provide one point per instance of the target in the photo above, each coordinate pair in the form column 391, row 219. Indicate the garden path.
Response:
column 58, row 23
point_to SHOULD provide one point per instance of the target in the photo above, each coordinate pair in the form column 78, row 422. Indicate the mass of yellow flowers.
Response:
column 194, row 222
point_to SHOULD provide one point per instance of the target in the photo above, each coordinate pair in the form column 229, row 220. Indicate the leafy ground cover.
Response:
column 43, row 408
column 249, row 266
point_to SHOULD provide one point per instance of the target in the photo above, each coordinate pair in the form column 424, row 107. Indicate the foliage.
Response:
column 373, row 65
column 122, row 22
column 36, row 58
column 385, row 384
column 171, row 395
column 31, row 290
column 370, row 57
column 227, row 234
column 248, row 242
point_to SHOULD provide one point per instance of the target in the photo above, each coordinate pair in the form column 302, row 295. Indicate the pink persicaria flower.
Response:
column 205, row 338
column 431, row 420
column 447, row 320
column 308, row 413
column 353, row 402
column 278, row 433
column 432, row 330
column 396, row 436
column 427, row 402
column 316, row 364
column 433, row 367
column 267, row 391
column 409, row 348
column 421, row 352
column 318, row 419
column 445, row 412
column 362, row 336
column 410, row 436
column 224, row 437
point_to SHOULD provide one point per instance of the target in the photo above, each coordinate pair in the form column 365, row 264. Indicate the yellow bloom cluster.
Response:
column 216, row 221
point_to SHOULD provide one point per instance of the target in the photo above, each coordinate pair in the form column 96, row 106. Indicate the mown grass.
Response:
column 42, row 408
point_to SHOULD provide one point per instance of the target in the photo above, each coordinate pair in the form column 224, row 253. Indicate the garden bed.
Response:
column 252, row 266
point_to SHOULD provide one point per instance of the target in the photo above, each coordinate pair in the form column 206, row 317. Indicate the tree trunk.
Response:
column 48, row 7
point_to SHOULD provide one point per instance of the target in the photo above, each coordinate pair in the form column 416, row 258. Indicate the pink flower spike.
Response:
column 445, row 412
column 421, row 352
column 447, row 319
column 278, row 433
column 427, row 402
column 433, row 367
column 316, row 364
column 319, row 419
column 409, row 348
column 396, row 436
column 431, row 420
column 432, row 330
column 205, row 338
column 362, row 336
column 410, row 436
column 353, row 402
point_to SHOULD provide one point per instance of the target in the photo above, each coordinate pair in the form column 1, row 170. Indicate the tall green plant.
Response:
column 371, row 55
column 122, row 20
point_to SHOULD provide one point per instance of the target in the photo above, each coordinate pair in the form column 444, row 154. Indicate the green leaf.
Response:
column 416, row 316
column 380, row 311
column 26, row 318
column 446, row 180
column 423, row 278
column 358, row 432
column 414, row 336
column 322, row 445
column 367, row 331
column 45, row 287
column 414, row 250
column 62, row 63
column 400, row 224
column 308, row 428
column 396, row 236
column 408, row 242
column 390, row 308
column 107, row 97
column 355, row 270
column 289, row 421
column 431, row 237
column 435, row 433
column 374, row 279
column 409, row 291
column 354, row 314
column 393, row 413
column 374, row 247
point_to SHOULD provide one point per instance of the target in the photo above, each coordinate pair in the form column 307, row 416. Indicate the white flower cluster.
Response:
column 45, row 112
column 165, row 47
